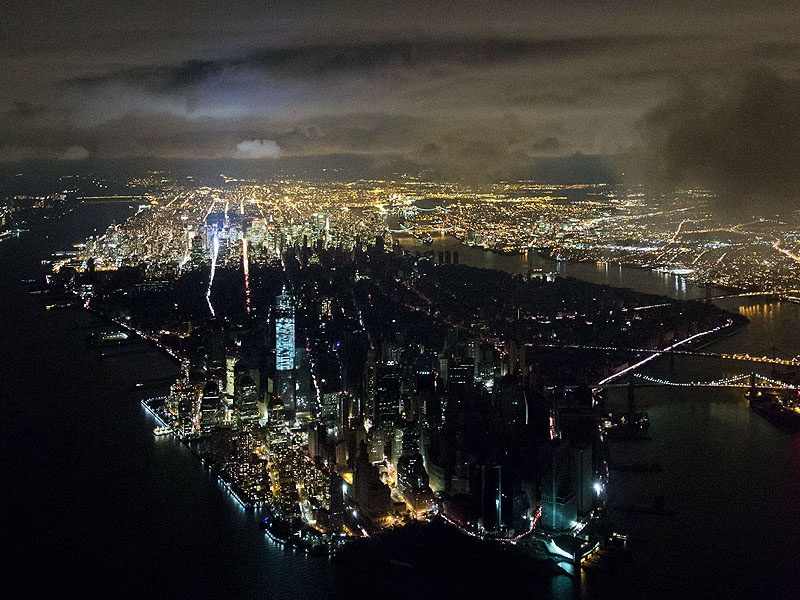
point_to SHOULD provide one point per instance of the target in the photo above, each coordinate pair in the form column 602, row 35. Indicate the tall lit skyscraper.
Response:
column 284, row 349
column 284, row 332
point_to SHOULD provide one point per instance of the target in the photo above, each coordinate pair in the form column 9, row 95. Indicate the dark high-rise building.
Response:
column 373, row 497
column 386, row 407
column 460, row 381
column 245, row 398
column 489, row 496
column 412, row 481
column 216, row 349
column 185, row 405
column 210, row 406
column 559, row 510
column 303, row 395
column 579, row 425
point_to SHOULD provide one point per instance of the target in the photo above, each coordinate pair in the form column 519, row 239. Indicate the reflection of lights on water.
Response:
column 764, row 311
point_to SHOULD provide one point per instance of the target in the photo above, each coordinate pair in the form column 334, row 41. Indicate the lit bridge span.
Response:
column 673, row 348
column 793, row 361
column 736, row 381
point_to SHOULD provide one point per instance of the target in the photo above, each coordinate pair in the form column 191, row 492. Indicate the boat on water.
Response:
column 158, row 431
column 782, row 409
column 63, row 304
column 108, row 337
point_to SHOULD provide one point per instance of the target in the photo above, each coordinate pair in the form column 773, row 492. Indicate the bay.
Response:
column 94, row 504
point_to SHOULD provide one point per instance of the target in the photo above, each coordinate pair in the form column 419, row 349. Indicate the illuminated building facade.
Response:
column 284, row 349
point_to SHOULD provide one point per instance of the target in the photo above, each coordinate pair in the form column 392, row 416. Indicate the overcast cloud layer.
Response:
column 483, row 90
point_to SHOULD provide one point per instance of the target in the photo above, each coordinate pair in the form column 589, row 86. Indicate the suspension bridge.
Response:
column 743, row 380
column 772, row 355
column 676, row 347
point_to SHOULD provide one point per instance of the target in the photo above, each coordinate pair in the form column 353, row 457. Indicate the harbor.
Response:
column 155, row 516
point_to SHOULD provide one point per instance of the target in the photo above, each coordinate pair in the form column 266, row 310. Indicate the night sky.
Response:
column 704, row 92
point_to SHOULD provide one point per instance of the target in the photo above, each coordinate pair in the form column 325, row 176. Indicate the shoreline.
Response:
column 271, row 558
column 244, row 500
column 546, row 253
column 238, row 494
column 292, row 539
column 142, row 336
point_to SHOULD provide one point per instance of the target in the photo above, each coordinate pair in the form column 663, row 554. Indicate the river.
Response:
column 732, row 478
column 94, row 504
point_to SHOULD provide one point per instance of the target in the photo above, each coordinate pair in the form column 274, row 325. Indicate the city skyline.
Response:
column 246, row 220
column 467, row 299
column 435, row 373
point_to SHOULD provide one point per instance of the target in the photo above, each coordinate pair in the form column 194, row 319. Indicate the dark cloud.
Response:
column 75, row 153
column 467, row 88
column 162, row 79
column 22, row 110
column 335, row 59
column 743, row 141
column 360, row 59
column 548, row 145
column 576, row 168
column 781, row 50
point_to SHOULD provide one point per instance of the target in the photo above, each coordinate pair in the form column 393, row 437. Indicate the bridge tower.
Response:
column 774, row 366
column 631, row 398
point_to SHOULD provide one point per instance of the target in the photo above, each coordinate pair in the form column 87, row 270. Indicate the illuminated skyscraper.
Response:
column 284, row 349
column 284, row 332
